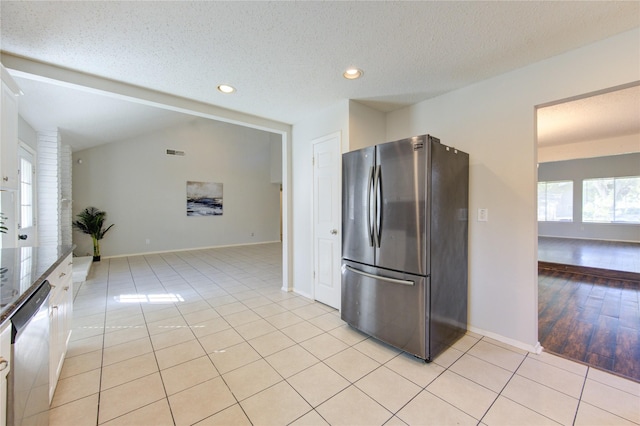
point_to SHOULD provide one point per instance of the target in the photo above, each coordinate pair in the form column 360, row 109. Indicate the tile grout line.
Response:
column 584, row 384
column 143, row 314
column 106, row 302
column 166, row 395
column 283, row 379
column 205, row 351
column 515, row 372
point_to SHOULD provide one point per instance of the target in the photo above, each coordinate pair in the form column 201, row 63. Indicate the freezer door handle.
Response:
column 379, row 277
column 370, row 212
column 377, row 224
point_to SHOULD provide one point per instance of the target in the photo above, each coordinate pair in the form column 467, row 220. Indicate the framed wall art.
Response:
column 204, row 198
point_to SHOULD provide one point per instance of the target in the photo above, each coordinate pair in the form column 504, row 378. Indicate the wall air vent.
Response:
column 174, row 152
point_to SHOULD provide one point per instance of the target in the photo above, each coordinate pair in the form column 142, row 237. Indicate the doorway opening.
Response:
column 151, row 109
column 589, row 228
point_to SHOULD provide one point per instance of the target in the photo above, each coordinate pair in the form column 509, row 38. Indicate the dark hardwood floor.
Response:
column 587, row 314
column 609, row 259
column 590, row 319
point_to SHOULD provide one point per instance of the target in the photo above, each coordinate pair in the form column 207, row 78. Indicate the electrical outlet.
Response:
column 483, row 215
column 252, row 234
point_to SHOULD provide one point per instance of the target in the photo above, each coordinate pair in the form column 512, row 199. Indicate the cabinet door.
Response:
column 67, row 303
column 5, row 356
column 55, row 352
column 60, row 307
column 64, row 274
column 9, row 139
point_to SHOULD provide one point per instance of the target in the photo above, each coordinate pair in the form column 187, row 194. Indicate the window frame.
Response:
column 612, row 208
column 546, row 201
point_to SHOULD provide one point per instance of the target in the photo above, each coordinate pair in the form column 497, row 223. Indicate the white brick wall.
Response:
column 49, row 188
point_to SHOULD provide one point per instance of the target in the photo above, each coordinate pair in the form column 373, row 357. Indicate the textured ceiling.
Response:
column 286, row 58
column 86, row 118
column 601, row 116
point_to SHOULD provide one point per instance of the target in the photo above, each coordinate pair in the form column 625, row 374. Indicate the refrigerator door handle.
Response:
column 379, row 277
column 369, row 206
column 377, row 225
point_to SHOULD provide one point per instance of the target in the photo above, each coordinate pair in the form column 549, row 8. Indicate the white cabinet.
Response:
column 60, row 316
column 5, row 367
column 9, row 133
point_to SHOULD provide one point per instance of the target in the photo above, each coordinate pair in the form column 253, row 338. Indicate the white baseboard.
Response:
column 146, row 253
column 302, row 293
column 536, row 349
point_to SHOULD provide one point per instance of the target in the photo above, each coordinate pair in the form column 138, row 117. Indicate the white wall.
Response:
column 276, row 158
column 26, row 134
column 367, row 126
column 359, row 126
column 143, row 190
column 330, row 120
column 587, row 149
column 494, row 122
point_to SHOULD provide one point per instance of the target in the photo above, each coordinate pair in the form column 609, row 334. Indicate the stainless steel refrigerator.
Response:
column 404, row 243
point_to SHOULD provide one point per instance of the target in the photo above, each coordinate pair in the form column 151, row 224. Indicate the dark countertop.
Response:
column 22, row 271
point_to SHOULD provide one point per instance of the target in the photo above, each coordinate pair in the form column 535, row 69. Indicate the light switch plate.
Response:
column 483, row 215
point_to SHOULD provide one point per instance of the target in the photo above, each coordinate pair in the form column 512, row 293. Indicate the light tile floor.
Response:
column 207, row 337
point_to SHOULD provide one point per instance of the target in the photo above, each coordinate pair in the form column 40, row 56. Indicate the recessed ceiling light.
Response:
column 352, row 73
column 225, row 88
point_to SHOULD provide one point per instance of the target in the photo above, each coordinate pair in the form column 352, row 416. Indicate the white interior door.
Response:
column 327, row 219
column 27, row 235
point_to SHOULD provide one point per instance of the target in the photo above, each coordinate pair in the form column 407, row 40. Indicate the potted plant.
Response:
column 90, row 221
column 3, row 229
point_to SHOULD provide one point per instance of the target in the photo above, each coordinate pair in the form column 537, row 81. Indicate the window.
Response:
column 26, row 268
column 555, row 201
column 609, row 200
column 26, row 193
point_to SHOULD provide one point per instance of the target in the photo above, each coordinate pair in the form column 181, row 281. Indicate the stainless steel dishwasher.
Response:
column 28, row 387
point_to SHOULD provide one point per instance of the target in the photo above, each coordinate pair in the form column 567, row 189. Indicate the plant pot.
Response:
column 96, row 258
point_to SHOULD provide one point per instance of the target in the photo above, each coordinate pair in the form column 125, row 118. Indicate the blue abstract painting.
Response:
column 204, row 199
